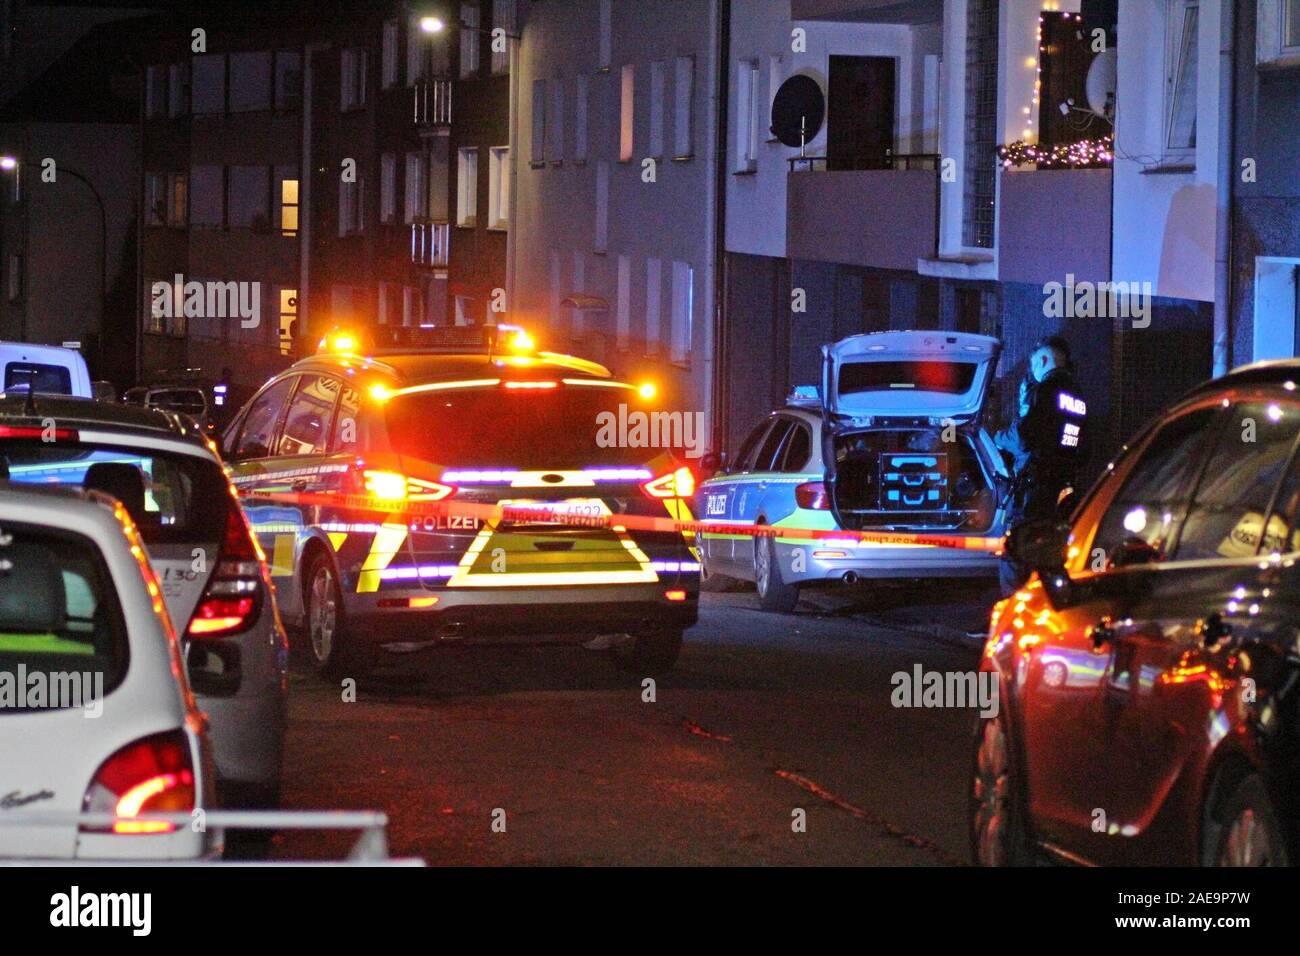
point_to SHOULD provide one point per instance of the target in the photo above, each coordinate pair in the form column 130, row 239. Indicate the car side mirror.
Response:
column 1040, row 545
column 714, row 463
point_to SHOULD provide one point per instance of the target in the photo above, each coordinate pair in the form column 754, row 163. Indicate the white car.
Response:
column 45, row 369
column 95, row 712
column 214, row 579
column 891, row 442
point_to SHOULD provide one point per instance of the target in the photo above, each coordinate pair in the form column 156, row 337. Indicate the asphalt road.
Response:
column 765, row 715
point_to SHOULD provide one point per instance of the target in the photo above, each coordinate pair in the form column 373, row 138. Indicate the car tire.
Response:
column 334, row 653
column 1246, row 829
column 996, row 812
column 773, row 593
column 649, row 654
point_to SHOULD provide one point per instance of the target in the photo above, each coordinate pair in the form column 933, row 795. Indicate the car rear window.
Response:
column 172, row 498
column 189, row 401
column 25, row 376
column 566, row 427
column 952, row 378
column 62, row 638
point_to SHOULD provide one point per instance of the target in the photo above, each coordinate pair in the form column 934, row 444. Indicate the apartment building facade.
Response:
column 962, row 182
column 613, row 243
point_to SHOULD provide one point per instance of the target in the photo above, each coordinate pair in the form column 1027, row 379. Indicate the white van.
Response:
column 48, row 369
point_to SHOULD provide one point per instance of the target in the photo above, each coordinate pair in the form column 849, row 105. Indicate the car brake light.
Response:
column 675, row 484
column 812, row 494
column 231, row 603
column 392, row 486
column 36, row 431
column 532, row 384
column 152, row 775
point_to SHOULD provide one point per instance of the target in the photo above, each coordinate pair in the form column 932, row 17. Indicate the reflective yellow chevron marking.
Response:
column 337, row 538
column 388, row 539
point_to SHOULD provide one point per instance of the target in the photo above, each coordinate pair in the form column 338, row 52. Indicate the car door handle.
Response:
column 1101, row 633
column 1213, row 629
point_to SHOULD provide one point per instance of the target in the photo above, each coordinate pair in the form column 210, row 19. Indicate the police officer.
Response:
column 1046, row 441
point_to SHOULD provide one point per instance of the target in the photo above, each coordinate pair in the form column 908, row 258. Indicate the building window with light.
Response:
column 627, row 114
column 499, row 187
column 466, row 187
column 286, row 191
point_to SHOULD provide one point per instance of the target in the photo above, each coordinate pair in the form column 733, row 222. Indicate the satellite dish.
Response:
column 1101, row 84
column 798, row 110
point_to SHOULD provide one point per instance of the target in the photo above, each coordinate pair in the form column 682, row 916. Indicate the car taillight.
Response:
column 812, row 494
column 36, row 431
column 675, row 484
column 152, row 775
column 394, row 486
column 231, row 603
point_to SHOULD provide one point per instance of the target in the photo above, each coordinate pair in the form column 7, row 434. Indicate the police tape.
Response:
column 582, row 515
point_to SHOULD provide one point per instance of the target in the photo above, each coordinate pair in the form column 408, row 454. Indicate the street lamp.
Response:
column 14, row 164
column 432, row 25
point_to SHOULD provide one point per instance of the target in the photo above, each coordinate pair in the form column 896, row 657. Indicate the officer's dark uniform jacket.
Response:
column 1052, row 435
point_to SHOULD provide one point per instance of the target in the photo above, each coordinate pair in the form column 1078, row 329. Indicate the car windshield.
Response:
column 564, row 427
column 169, row 496
column 950, row 378
column 62, row 639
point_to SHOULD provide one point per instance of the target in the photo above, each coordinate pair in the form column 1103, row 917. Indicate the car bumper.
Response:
column 522, row 614
column 831, row 562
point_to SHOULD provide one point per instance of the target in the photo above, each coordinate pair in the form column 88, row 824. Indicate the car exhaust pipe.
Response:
column 850, row 577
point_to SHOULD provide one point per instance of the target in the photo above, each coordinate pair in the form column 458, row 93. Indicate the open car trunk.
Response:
column 903, row 450
column 910, row 479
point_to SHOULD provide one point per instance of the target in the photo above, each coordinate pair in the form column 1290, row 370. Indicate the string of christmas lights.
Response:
column 1086, row 152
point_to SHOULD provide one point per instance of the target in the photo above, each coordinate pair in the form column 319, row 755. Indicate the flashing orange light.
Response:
column 532, row 384
column 675, row 595
column 676, row 484
column 380, row 392
column 521, row 341
column 385, row 485
column 647, row 390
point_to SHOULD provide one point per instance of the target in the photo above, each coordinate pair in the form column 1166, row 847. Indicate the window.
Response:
column 745, row 457
column 464, row 310
column 556, row 131
column 466, row 187
column 747, row 117
column 798, row 448
column 306, row 424
column 653, row 304
column 683, row 311
column 178, row 196
column 416, row 51
column 1291, row 24
column 288, row 80
column 470, row 38
column 766, row 457
column 537, row 156
column 498, row 187
column 657, row 80
column 387, row 187
column 388, row 61
column 627, row 114
column 683, row 110
column 1145, row 515
column 345, row 420
column 250, row 82
column 1181, row 100
column 414, row 197
column 1226, row 517
column 602, row 206
column 259, row 424
column 606, row 34
column 286, row 191
column 207, row 188
column 623, row 315
column 503, row 18
column 178, row 89
column 248, row 197
column 155, row 86
column 412, row 306
column 288, row 314
column 351, row 217
column 775, row 74
column 580, row 86
column 155, row 199
column 352, row 78
column 208, row 89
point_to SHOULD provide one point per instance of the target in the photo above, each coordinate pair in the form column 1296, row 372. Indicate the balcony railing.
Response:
column 431, row 244
column 432, row 103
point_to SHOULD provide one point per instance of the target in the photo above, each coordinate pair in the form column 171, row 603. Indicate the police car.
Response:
column 890, row 442
column 469, row 416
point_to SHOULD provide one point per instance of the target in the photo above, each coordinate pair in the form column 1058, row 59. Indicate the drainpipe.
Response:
column 1225, row 188
column 718, row 350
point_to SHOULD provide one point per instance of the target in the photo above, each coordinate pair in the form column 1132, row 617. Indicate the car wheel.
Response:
column 1250, row 833
column 773, row 593
column 998, row 834
column 332, row 652
column 650, row 654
